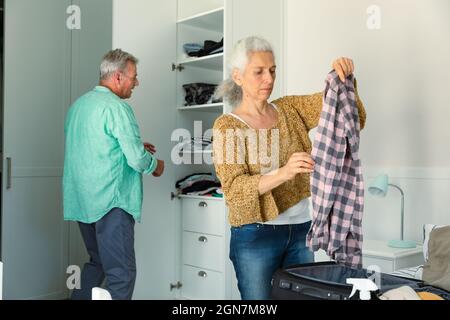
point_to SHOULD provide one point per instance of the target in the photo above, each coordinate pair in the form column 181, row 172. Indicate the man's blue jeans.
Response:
column 110, row 245
column 258, row 250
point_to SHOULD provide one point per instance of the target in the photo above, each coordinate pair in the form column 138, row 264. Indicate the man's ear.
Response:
column 236, row 76
column 117, row 77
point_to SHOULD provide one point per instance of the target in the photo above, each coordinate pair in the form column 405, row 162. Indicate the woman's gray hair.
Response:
column 115, row 60
column 228, row 89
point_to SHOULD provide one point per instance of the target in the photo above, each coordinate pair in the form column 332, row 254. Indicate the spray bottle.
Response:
column 365, row 286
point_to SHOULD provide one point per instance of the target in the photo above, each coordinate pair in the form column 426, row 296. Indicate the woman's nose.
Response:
column 269, row 78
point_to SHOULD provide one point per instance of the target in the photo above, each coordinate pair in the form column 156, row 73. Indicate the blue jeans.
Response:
column 258, row 250
column 110, row 245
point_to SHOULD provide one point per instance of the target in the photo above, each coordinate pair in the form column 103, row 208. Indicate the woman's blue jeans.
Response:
column 258, row 250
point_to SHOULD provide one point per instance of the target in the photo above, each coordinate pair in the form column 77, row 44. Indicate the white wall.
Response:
column 401, row 69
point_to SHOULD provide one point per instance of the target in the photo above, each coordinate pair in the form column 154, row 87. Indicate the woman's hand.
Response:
column 297, row 163
column 343, row 67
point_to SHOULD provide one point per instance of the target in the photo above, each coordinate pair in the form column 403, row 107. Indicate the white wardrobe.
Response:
column 52, row 52
column 182, row 243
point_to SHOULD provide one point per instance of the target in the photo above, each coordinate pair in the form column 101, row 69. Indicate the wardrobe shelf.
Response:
column 213, row 62
column 209, row 20
column 212, row 107
column 186, row 196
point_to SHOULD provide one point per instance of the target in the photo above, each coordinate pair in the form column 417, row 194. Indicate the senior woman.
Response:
column 268, row 202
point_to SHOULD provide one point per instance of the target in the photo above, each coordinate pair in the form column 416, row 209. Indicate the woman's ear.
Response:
column 236, row 76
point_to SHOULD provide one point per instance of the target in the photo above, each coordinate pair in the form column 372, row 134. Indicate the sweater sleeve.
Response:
column 309, row 107
column 239, row 186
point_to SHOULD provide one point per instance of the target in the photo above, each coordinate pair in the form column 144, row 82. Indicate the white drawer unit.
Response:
column 203, row 284
column 379, row 254
column 204, row 250
column 204, row 216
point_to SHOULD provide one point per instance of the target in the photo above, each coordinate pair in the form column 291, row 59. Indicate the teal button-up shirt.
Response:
column 104, row 158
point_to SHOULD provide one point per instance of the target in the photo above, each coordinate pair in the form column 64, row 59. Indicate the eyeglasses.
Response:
column 134, row 79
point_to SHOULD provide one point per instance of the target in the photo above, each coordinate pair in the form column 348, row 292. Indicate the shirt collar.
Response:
column 102, row 89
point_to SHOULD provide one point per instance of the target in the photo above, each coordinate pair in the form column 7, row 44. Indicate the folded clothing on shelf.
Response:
column 190, row 48
column 199, row 184
column 199, row 93
column 196, row 145
column 209, row 47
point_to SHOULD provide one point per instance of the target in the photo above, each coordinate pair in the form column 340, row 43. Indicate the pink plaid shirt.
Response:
column 337, row 188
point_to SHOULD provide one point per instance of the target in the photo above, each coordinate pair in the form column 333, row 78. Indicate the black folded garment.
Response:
column 199, row 93
column 200, row 186
column 209, row 47
column 181, row 181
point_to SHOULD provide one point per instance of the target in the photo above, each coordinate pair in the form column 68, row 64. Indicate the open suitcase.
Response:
column 328, row 281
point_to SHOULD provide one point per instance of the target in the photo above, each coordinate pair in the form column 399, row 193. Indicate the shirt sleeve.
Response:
column 309, row 107
column 239, row 186
column 122, row 125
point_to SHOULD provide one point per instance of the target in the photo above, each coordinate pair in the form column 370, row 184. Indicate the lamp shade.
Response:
column 380, row 186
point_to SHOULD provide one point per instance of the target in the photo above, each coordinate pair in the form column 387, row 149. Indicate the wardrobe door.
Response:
column 89, row 44
column 36, row 91
column 147, row 29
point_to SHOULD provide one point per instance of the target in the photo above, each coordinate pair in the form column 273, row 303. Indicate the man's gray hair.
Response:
column 115, row 60
column 228, row 89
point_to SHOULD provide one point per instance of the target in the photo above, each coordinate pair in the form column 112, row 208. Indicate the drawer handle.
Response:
column 203, row 239
column 202, row 274
column 203, row 204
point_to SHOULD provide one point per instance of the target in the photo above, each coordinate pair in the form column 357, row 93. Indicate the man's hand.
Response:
column 159, row 169
column 343, row 67
column 149, row 147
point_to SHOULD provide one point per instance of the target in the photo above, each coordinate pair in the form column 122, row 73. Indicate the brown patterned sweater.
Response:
column 297, row 115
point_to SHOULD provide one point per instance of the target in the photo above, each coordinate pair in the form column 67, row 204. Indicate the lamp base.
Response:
column 405, row 244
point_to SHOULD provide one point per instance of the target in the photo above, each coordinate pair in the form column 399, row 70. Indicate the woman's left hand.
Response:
column 343, row 67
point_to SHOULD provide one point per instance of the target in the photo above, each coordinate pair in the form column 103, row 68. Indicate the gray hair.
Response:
column 228, row 89
column 115, row 60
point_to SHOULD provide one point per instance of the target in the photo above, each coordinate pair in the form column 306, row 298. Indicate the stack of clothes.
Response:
column 199, row 93
column 209, row 47
column 196, row 145
column 200, row 184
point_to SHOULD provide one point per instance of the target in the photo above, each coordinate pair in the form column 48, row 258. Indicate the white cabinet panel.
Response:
column 36, row 91
column 147, row 29
column 188, row 8
column 34, row 241
column 89, row 44
column 204, row 250
column 1, row 280
column 204, row 216
column 200, row 284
